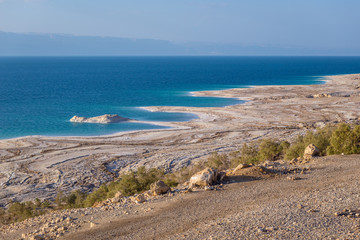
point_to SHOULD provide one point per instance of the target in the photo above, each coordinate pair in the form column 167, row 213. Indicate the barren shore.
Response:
column 39, row 166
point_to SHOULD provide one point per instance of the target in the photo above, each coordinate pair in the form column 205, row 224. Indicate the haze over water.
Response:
column 38, row 95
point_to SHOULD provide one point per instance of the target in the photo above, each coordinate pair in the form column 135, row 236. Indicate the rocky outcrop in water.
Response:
column 107, row 118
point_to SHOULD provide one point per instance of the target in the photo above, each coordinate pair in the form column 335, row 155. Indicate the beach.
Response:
column 39, row 167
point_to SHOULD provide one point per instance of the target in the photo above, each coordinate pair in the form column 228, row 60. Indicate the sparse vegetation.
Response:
column 20, row 211
column 344, row 140
column 339, row 139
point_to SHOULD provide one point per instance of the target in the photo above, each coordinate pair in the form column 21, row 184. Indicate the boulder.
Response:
column 159, row 187
column 138, row 199
column 204, row 178
column 118, row 196
column 311, row 151
column 107, row 118
column 221, row 176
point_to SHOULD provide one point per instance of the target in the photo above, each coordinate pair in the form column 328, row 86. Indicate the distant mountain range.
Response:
column 32, row 44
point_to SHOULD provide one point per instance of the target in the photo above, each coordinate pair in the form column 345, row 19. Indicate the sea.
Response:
column 38, row 95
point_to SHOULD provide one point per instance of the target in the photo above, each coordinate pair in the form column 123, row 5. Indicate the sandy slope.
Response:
column 275, row 208
column 272, row 207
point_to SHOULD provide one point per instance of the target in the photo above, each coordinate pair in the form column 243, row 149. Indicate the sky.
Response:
column 285, row 23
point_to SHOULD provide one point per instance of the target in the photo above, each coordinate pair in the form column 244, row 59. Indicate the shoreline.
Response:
column 38, row 166
column 173, row 124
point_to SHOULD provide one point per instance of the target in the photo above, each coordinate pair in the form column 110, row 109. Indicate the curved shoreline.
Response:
column 37, row 166
column 168, row 125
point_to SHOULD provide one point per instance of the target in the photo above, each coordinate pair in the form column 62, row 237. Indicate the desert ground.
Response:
column 39, row 166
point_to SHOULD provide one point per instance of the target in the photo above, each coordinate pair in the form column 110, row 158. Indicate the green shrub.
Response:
column 129, row 184
column 296, row 149
column 249, row 154
column 235, row 158
column 320, row 138
column 171, row 180
column 344, row 140
column 19, row 211
column 146, row 177
column 96, row 196
column 269, row 150
column 218, row 161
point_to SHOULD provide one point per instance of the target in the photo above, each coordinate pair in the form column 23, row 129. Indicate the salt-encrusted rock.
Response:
column 78, row 119
column 159, row 187
column 311, row 151
column 107, row 118
column 204, row 178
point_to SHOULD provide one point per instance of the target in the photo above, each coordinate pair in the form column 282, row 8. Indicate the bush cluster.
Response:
column 339, row 139
column 252, row 153
column 20, row 211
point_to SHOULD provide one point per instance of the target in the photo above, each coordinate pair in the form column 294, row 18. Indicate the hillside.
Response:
column 271, row 206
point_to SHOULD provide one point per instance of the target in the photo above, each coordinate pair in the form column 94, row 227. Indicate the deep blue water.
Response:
column 38, row 95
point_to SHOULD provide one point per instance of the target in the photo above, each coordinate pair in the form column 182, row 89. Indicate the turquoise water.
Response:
column 38, row 95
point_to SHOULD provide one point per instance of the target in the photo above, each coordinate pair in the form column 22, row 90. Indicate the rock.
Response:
column 240, row 166
column 159, row 187
column 188, row 190
column 293, row 178
column 271, row 229
column 139, row 198
column 261, row 230
column 78, row 119
column 204, row 178
column 313, row 210
column 221, row 176
column 107, row 118
column 118, row 196
column 38, row 237
column 321, row 95
column 311, row 151
column 92, row 224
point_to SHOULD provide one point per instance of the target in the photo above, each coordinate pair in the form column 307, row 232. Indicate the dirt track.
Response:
column 275, row 208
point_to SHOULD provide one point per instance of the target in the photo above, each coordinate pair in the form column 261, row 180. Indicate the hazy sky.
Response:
column 304, row 23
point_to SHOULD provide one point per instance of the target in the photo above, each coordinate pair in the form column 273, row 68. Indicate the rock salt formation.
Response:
column 107, row 118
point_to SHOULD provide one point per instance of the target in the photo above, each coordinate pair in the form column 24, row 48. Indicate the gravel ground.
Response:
column 275, row 208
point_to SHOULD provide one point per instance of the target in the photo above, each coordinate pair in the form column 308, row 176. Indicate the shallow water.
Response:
column 38, row 95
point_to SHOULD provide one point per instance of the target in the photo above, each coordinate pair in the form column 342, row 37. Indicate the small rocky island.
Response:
column 107, row 118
